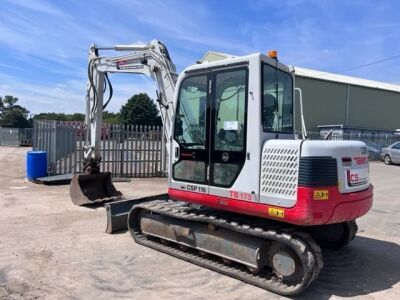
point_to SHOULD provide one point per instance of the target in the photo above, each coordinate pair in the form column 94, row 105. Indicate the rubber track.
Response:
column 300, row 242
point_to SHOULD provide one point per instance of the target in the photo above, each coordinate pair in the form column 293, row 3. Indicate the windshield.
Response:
column 277, row 102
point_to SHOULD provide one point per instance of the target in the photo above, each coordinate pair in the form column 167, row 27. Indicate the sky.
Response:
column 44, row 43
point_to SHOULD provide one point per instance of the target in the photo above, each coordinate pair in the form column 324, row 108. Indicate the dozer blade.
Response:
column 93, row 188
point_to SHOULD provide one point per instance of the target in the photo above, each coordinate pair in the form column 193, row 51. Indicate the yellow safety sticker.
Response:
column 321, row 195
column 276, row 212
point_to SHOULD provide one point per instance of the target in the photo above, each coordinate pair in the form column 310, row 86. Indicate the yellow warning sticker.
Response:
column 321, row 195
column 276, row 212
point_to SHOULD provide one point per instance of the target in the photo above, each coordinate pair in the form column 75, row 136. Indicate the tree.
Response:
column 140, row 110
column 76, row 117
column 10, row 103
column 111, row 118
column 12, row 114
column 60, row 117
column 1, row 105
column 14, row 118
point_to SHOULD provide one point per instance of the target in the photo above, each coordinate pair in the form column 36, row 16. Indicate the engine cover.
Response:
column 351, row 159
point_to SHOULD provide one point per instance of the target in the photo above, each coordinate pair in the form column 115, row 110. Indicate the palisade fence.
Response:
column 374, row 141
column 16, row 137
column 126, row 150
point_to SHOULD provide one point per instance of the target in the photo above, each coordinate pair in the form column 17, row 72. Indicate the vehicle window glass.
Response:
column 230, row 109
column 229, row 125
column 190, row 170
column 277, row 101
column 190, row 121
column 396, row 146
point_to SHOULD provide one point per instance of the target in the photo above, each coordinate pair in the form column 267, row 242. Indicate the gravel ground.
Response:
column 51, row 249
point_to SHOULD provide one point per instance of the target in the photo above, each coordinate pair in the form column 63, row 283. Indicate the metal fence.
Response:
column 60, row 143
column 374, row 141
column 16, row 137
column 126, row 150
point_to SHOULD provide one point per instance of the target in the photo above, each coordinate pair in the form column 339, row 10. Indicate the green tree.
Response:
column 10, row 103
column 14, row 118
column 60, row 117
column 12, row 114
column 76, row 117
column 1, row 106
column 140, row 110
column 111, row 118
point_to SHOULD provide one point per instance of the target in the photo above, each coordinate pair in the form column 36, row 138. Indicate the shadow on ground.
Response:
column 365, row 266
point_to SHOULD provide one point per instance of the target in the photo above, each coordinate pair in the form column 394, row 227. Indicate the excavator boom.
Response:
column 151, row 60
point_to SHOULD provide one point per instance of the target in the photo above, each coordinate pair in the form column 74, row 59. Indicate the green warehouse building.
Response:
column 350, row 103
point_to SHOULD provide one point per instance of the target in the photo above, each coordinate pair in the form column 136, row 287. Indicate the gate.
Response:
column 133, row 151
column 126, row 150
column 60, row 143
column 16, row 137
column 9, row 137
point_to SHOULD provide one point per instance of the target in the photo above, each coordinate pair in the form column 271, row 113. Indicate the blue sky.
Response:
column 44, row 44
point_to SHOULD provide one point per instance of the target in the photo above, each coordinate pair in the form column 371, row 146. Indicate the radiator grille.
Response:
column 279, row 172
column 318, row 171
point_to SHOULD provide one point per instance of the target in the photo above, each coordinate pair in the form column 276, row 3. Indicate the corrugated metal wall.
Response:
column 331, row 103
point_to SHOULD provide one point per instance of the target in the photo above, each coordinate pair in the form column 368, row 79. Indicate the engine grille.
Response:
column 279, row 172
column 318, row 171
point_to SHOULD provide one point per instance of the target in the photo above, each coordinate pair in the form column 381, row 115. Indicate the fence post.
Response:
column 163, row 153
column 121, row 140
column 53, row 141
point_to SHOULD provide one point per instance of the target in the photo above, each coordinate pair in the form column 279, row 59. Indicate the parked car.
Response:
column 391, row 154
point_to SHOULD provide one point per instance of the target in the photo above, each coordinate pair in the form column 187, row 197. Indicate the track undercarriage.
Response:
column 274, row 256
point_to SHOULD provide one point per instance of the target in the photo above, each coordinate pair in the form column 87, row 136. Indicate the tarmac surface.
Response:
column 51, row 249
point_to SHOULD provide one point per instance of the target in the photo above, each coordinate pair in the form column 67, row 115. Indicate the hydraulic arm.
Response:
column 151, row 60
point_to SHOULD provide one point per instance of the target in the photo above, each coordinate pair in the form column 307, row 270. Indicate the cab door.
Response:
column 210, row 129
column 228, row 126
column 191, row 127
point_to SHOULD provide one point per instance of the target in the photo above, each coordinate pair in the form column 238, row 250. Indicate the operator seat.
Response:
column 270, row 106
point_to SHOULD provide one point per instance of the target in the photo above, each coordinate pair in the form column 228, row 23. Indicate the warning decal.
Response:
column 276, row 212
column 321, row 195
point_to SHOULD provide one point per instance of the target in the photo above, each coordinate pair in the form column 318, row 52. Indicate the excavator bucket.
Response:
column 93, row 188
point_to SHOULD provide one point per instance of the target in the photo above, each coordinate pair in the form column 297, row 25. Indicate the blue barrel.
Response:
column 36, row 164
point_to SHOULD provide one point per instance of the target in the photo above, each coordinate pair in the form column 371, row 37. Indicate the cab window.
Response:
column 190, row 121
column 277, row 101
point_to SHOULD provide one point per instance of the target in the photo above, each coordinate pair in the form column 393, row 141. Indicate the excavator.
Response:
column 247, row 197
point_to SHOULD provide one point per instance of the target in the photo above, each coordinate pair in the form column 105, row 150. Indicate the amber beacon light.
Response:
column 273, row 54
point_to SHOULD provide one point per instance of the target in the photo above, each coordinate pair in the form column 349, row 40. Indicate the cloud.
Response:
column 69, row 96
column 44, row 44
column 38, row 6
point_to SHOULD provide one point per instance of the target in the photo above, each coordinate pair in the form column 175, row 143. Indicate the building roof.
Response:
column 212, row 56
column 303, row 72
